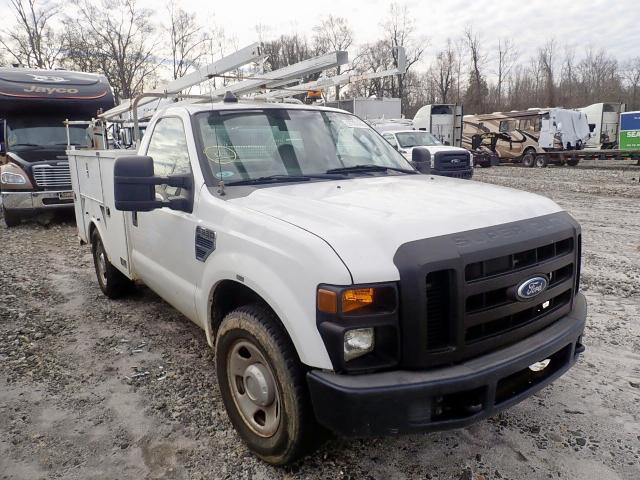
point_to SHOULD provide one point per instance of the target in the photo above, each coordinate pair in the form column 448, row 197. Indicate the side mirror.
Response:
column 134, row 186
column 421, row 159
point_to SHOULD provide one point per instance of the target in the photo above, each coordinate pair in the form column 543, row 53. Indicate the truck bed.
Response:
column 91, row 173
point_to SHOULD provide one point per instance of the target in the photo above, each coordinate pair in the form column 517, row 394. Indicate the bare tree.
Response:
column 187, row 40
column 443, row 71
column 31, row 41
column 373, row 57
column 475, row 97
column 546, row 59
column 333, row 33
column 507, row 56
column 116, row 38
column 400, row 31
column 631, row 75
column 286, row 50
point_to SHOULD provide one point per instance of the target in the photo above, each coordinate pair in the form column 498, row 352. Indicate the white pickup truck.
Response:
column 340, row 288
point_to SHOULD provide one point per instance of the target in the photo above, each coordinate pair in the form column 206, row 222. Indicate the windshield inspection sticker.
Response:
column 224, row 174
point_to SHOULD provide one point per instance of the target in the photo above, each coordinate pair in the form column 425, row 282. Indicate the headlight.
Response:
column 12, row 178
column 358, row 342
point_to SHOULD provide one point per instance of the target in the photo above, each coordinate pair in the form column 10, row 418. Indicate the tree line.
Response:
column 135, row 51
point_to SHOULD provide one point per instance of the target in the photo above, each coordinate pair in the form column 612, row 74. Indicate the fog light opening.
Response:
column 358, row 342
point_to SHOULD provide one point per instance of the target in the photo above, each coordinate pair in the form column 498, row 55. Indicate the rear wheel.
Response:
column 541, row 161
column 112, row 281
column 572, row 162
column 263, row 387
column 12, row 219
column 528, row 159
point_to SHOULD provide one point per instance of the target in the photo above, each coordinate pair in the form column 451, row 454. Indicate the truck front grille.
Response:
column 52, row 176
column 459, row 291
column 490, row 307
column 451, row 161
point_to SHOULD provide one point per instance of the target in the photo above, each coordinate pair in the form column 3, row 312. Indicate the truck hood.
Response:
column 365, row 220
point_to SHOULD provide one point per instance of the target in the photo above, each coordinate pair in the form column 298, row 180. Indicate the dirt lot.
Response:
column 92, row 388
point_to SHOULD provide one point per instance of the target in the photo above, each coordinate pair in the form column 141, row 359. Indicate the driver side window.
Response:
column 168, row 148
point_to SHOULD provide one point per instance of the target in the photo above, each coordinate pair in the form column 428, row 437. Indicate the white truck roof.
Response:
column 240, row 105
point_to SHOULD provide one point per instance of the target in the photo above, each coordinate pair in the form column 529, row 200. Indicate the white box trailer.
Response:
column 444, row 121
column 604, row 123
column 370, row 108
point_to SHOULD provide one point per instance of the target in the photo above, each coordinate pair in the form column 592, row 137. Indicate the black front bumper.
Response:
column 451, row 397
column 466, row 174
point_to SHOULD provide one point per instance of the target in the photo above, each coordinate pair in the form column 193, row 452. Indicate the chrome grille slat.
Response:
column 52, row 175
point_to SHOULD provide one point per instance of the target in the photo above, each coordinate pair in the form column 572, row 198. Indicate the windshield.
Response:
column 250, row 144
column 44, row 132
column 416, row 139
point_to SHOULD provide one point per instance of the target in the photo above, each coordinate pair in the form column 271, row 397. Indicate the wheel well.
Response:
column 529, row 150
column 229, row 295
column 92, row 228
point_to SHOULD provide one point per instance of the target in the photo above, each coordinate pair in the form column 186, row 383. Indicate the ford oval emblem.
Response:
column 532, row 287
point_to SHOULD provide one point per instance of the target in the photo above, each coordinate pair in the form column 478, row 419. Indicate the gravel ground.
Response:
column 93, row 388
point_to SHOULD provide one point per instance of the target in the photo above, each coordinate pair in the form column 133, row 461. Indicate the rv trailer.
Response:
column 531, row 137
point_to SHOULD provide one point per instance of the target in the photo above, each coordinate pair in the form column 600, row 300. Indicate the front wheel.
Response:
column 263, row 386
column 573, row 162
column 12, row 219
column 112, row 281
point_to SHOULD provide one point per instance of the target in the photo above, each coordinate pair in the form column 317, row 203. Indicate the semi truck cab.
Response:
column 340, row 288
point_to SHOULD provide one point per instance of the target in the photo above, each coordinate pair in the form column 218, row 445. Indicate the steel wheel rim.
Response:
column 102, row 263
column 253, row 388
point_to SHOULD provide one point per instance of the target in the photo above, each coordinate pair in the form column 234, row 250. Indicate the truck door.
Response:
column 163, row 239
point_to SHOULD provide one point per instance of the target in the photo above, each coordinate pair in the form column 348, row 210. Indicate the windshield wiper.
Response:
column 283, row 178
column 369, row 168
column 24, row 145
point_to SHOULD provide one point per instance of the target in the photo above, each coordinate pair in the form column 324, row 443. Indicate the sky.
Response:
column 610, row 24
column 613, row 25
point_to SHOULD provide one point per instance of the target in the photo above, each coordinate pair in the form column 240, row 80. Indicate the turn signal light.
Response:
column 327, row 301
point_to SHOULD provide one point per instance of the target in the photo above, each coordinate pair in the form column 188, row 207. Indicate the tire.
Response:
column 573, row 162
column 528, row 159
column 283, row 427
column 112, row 282
column 541, row 161
column 12, row 219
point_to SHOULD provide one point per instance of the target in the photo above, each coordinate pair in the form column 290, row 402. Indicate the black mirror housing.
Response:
column 133, row 190
column 134, row 186
column 421, row 159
